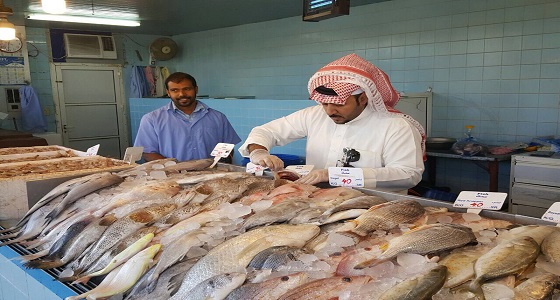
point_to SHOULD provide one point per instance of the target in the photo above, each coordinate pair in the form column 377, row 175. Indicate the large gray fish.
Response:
column 270, row 289
column 420, row 287
column 120, row 229
column 387, row 216
column 360, row 202
column 550, row 247
column 538, row 287
column 256, row 191
column 217, row 287
column 507, row 258
column 93, row 183
column 326, row 288
column 236, row 253
column 59, row 248
column 59, row 190
column 426, row 239
column 279, row 213
column 178, row 215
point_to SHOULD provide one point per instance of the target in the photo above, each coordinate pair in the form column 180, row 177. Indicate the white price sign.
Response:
column 346, row 177
column 92, row 151
column 254, row 169
column 222, row 150
column 302, row 170
column 553, row 213
column 480, row 200
column 132, row 154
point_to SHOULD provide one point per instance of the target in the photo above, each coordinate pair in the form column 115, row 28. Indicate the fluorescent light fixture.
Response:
column 83, row 19
column 53, row 6
column 7, row 30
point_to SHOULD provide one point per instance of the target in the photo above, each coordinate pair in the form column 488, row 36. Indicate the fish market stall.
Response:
column 168, row 230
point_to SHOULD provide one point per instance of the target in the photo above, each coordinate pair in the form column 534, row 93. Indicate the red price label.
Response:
column 347, row 181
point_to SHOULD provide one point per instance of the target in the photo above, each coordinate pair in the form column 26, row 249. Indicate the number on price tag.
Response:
column 480, row 200
column 222, row 150
column 258, row 170
column 92, row 151
column 553, row 213
column 346, row 177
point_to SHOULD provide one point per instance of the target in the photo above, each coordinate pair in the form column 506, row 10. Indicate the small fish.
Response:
column 538, row 287
column 426, row 239
column 388, row 215
column 274, row 257
column 326, row 288
column 122, row 278
column 360, row 202
column 189, row 165
column 204, row 177
column 279, row 213
column 421, row 287
column 217, row 287
column 507, row 258
column 551, row 247
column 270, row 289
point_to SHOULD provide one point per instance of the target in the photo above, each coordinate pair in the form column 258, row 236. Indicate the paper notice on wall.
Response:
column 12, row 70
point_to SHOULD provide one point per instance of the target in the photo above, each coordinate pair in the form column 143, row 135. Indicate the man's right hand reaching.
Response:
column 264, row 158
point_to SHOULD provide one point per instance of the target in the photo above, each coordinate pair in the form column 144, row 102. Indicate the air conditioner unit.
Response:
column 89, row 46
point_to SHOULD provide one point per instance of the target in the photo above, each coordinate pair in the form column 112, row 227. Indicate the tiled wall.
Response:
column 242, row 114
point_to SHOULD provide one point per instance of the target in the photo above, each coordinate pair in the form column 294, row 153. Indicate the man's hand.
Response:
column 315, row 177
column 264, row 158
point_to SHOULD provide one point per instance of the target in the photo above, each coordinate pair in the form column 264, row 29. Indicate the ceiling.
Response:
column 167, row 17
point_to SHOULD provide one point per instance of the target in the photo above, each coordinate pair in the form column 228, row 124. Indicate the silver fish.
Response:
column 281, row 212
column 460, row 264
column 361, row 202
column 189, row 165
column 217, row 287
column 93, row 183
column 274, row 257
column 204, row 177
column 421, row 287
column 237, row 252
column 507, row 258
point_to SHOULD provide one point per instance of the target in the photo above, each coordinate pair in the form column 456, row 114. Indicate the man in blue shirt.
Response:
column 186, row 129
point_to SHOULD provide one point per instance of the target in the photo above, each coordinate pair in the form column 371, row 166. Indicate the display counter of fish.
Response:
column 167, row 230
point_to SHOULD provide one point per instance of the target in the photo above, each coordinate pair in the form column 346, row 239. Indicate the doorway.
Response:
column 91, row 107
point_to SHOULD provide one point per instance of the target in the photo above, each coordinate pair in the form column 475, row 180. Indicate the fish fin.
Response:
column 43, row 264
column 82, row 280
column 384, row 247
column 475, row 287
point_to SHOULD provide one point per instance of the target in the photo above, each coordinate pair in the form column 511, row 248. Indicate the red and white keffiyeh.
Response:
column 348, row 74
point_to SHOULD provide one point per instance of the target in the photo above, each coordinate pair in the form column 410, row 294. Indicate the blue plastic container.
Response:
column 288, row 159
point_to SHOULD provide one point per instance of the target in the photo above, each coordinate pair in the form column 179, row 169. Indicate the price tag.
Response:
column 132, row 154
column 553, row 213
column 302, row 170
column 480, row 200
column 92, row 151
column 346, row 177
column 222, row 150
column 258, row 170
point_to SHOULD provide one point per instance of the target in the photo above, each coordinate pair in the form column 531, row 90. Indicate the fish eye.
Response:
column 285, row 278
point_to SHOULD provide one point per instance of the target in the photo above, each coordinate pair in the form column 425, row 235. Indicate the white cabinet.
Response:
column 534, row 184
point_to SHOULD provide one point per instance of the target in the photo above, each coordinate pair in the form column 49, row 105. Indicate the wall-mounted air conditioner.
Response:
column 89, row 46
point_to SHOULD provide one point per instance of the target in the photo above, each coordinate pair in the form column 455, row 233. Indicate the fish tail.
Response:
column 9, row 229
column 82, row 280
column 368, row 263
column 9, row 236
column 31, row 256
column 43, row 264
column 475, row 287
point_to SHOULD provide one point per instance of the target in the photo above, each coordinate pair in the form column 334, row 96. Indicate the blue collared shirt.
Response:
column 172, row 133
